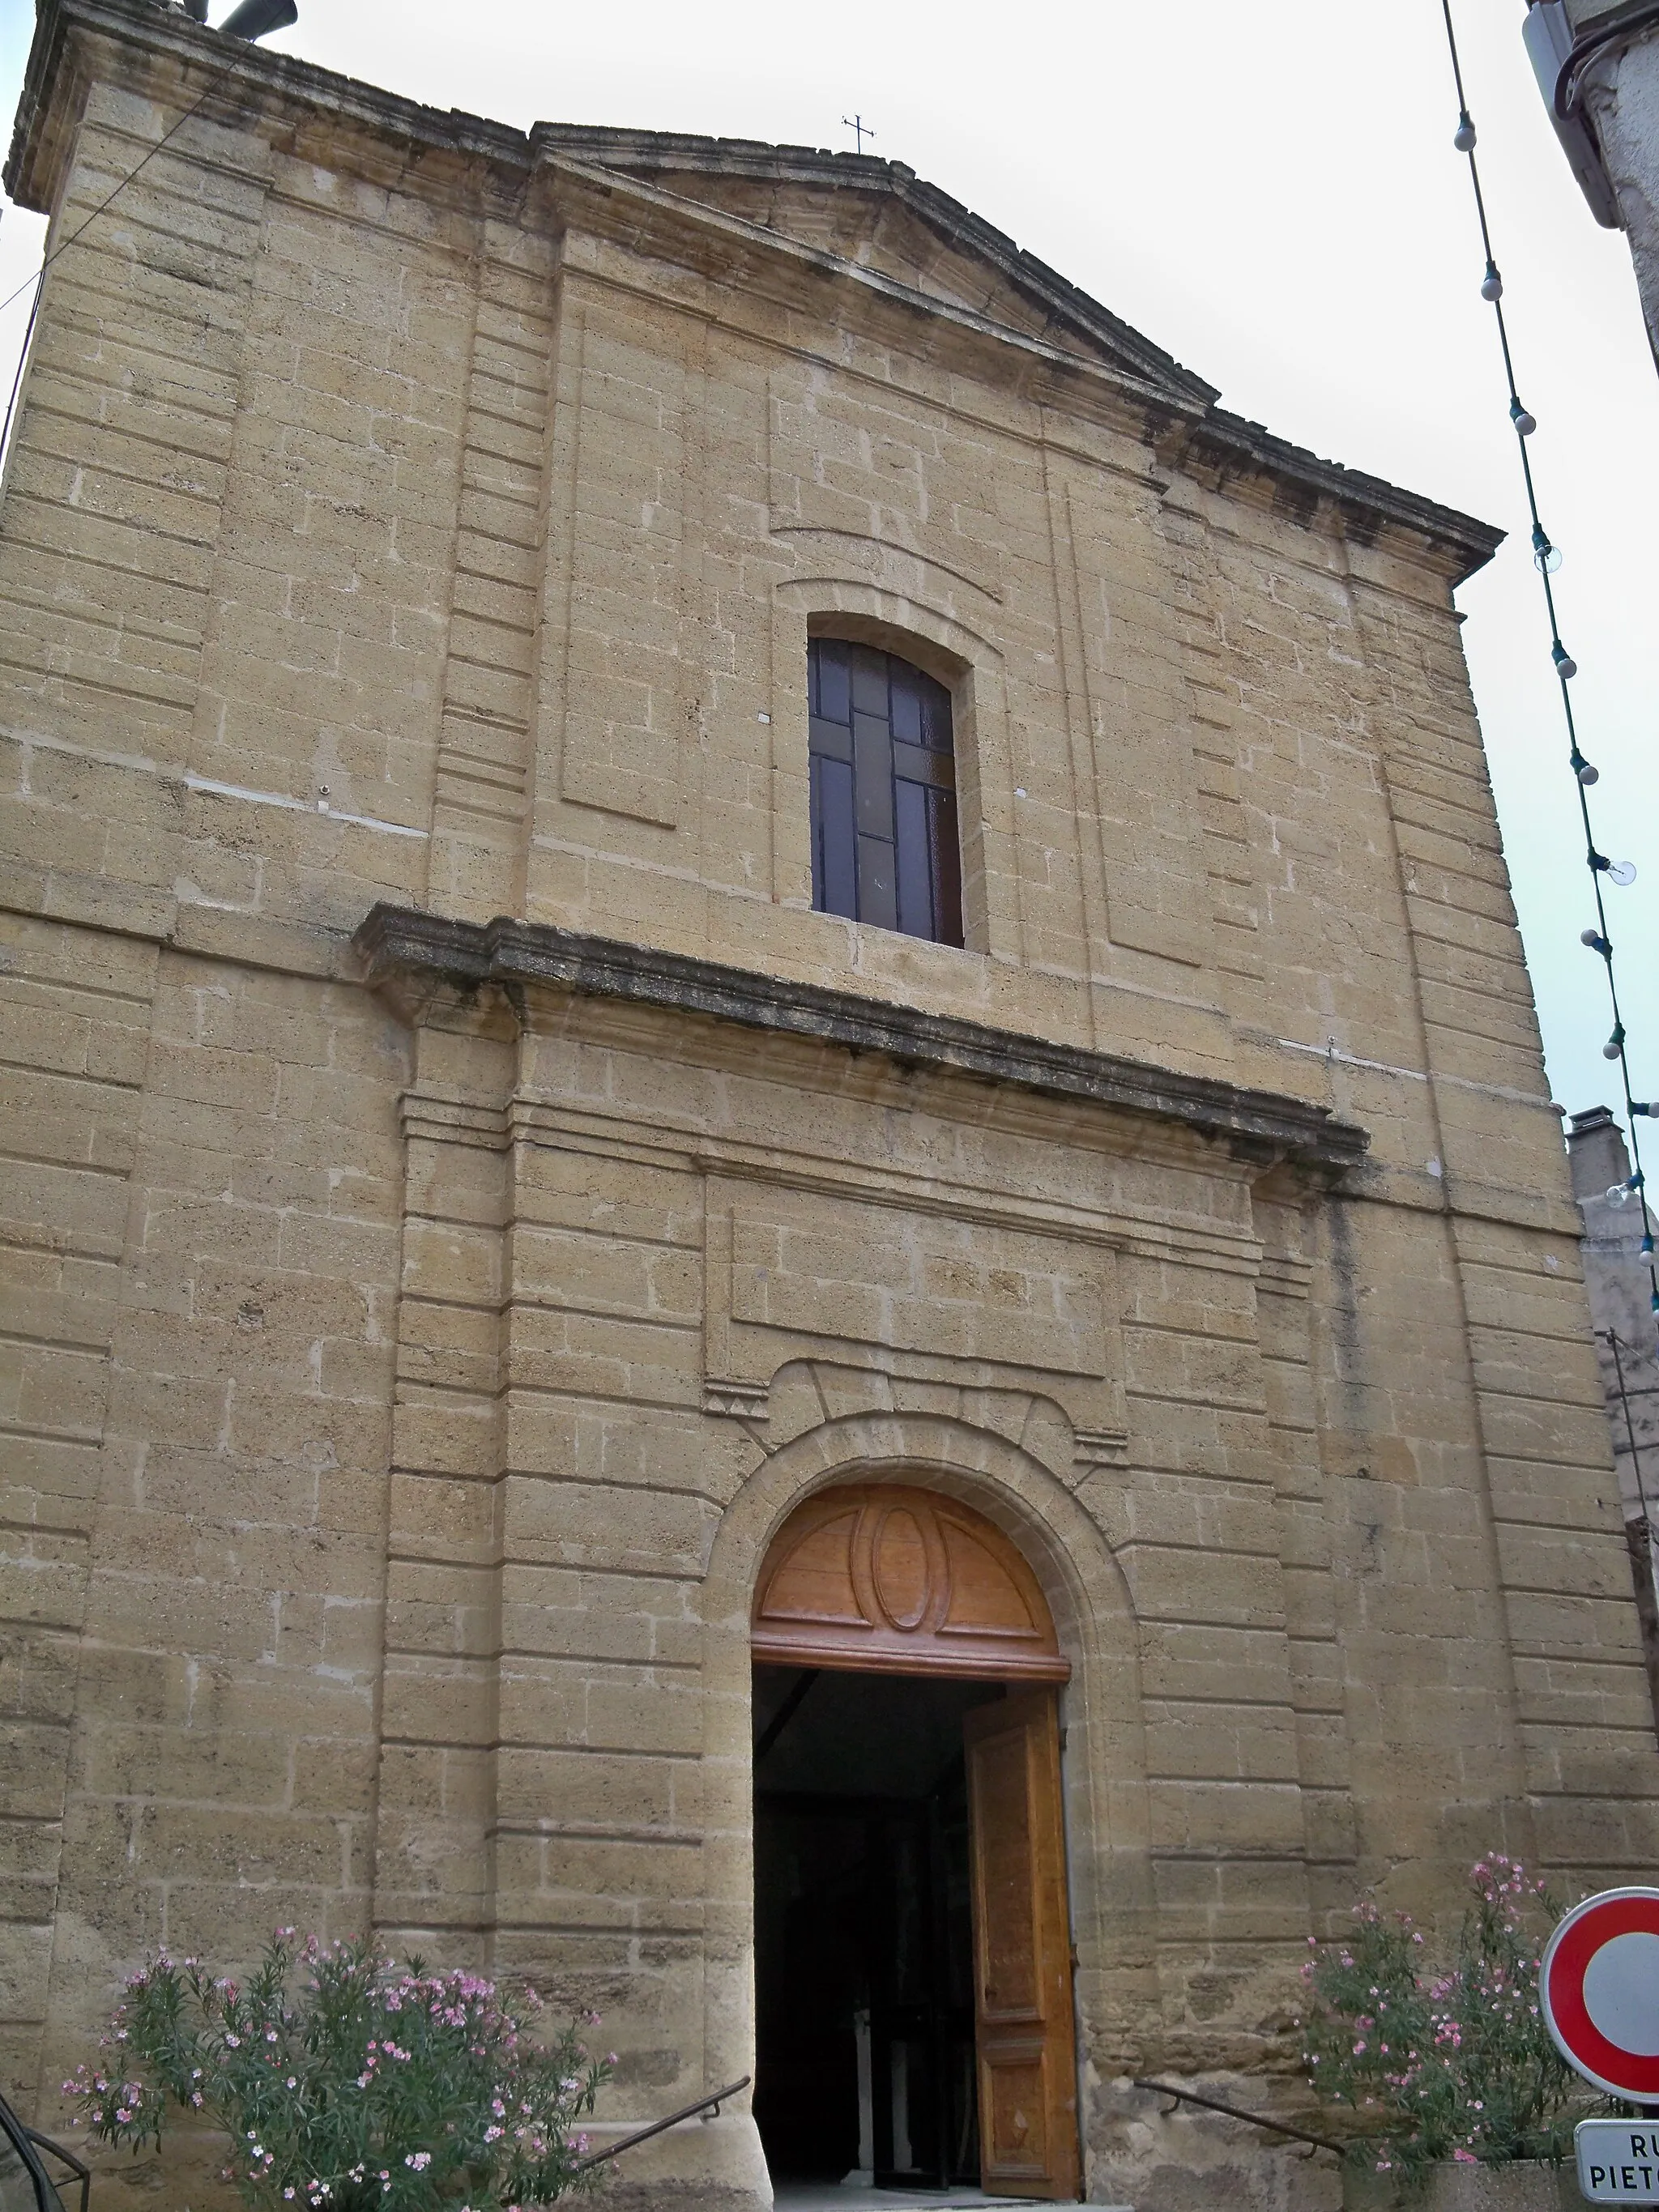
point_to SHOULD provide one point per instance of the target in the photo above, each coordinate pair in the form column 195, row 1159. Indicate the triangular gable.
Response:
column 879, row 216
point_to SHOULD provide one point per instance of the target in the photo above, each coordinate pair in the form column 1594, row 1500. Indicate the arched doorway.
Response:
column 912, row 1959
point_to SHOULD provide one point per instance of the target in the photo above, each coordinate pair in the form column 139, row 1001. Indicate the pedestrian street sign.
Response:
column 1618, row 2161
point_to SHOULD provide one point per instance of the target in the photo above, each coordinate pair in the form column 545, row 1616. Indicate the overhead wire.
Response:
column 38, row 280
column 1545, row 557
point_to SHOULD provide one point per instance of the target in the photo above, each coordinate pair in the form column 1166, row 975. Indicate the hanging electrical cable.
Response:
column 1546, row 559
column 37, row 281
column 253, row 20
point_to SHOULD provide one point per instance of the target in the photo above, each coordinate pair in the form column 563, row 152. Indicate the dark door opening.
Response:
column 864, row 1957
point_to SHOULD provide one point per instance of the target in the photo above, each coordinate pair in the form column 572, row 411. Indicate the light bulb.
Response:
column 1565, row 664
column 1586, row 772
column 1641, row 1106
column 1596, row 942
column 1524, row 422
column 1492, row 284
column 1547, row 558
column 1622, row 871
column 1618, row 1194
column 1463, row 136
column 1615, row 1043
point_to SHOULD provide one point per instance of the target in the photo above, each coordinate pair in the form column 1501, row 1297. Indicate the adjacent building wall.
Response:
column 1619, row 97
column 1616, row 1277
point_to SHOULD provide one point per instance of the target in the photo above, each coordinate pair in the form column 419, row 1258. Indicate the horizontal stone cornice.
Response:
column 405, row 943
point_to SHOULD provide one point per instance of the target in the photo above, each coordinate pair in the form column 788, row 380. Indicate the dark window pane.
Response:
column 869, row 680
column 946, row 857
column 935, row 715
column 906, row 684
column 835, row 889
column 877, row 892
column 833, row 739
column 872, row 768
column 915, row 872
column 917, row 766
column 831, row 695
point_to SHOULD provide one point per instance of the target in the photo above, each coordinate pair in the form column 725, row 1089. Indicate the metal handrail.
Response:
column 81, row 2172
column 1234, row 2112
column 28, row 2143
column 656, row 2127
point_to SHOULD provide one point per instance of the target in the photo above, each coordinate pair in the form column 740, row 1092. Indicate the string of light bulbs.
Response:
column 1547, row 560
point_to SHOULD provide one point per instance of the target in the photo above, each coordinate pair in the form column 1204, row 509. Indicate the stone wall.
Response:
column 1618, row 94
column 419, row 1328
column 1621, row 1293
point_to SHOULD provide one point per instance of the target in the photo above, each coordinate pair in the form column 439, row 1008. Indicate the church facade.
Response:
column 783, row 1236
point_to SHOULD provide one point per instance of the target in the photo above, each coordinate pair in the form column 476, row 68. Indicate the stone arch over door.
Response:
column 1087, row 1599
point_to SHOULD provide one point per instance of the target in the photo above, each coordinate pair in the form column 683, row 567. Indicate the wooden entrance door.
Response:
column 884, row 1578
column 1024, row 2033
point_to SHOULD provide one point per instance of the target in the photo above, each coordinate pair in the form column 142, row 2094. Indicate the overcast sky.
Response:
column 1271, row 193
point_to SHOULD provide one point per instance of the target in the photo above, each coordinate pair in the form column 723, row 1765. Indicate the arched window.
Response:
column 884, row 843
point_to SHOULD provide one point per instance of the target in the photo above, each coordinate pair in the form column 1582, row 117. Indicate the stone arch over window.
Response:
column 886, row 842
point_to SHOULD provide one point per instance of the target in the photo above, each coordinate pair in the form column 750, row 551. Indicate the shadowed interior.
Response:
column 863, row 1929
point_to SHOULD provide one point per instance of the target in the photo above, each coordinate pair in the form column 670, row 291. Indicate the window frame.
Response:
column 885, row 823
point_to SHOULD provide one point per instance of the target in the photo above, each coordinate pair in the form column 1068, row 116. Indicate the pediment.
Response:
column 878, row 217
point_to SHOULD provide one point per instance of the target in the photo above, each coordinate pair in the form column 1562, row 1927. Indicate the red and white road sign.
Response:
column 1598, row 1982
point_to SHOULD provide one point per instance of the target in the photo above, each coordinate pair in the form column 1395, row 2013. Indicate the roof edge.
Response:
column 1357, row 494
column 652, row 151
column 1195, row 424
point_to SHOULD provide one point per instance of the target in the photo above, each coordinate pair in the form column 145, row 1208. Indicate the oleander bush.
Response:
column 346, row 2082
column 1447, row 2063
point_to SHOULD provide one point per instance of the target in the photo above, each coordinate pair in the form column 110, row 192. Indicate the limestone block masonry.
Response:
column 460, row 1196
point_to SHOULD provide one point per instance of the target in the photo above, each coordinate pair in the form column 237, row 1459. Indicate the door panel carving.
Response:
column 884, row 1578
column 1023, row 2031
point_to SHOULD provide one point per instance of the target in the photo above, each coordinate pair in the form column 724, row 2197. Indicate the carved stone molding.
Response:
column 1100, row 1447
column 759, row 1317
column 397, row 942
column 735, row 1400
